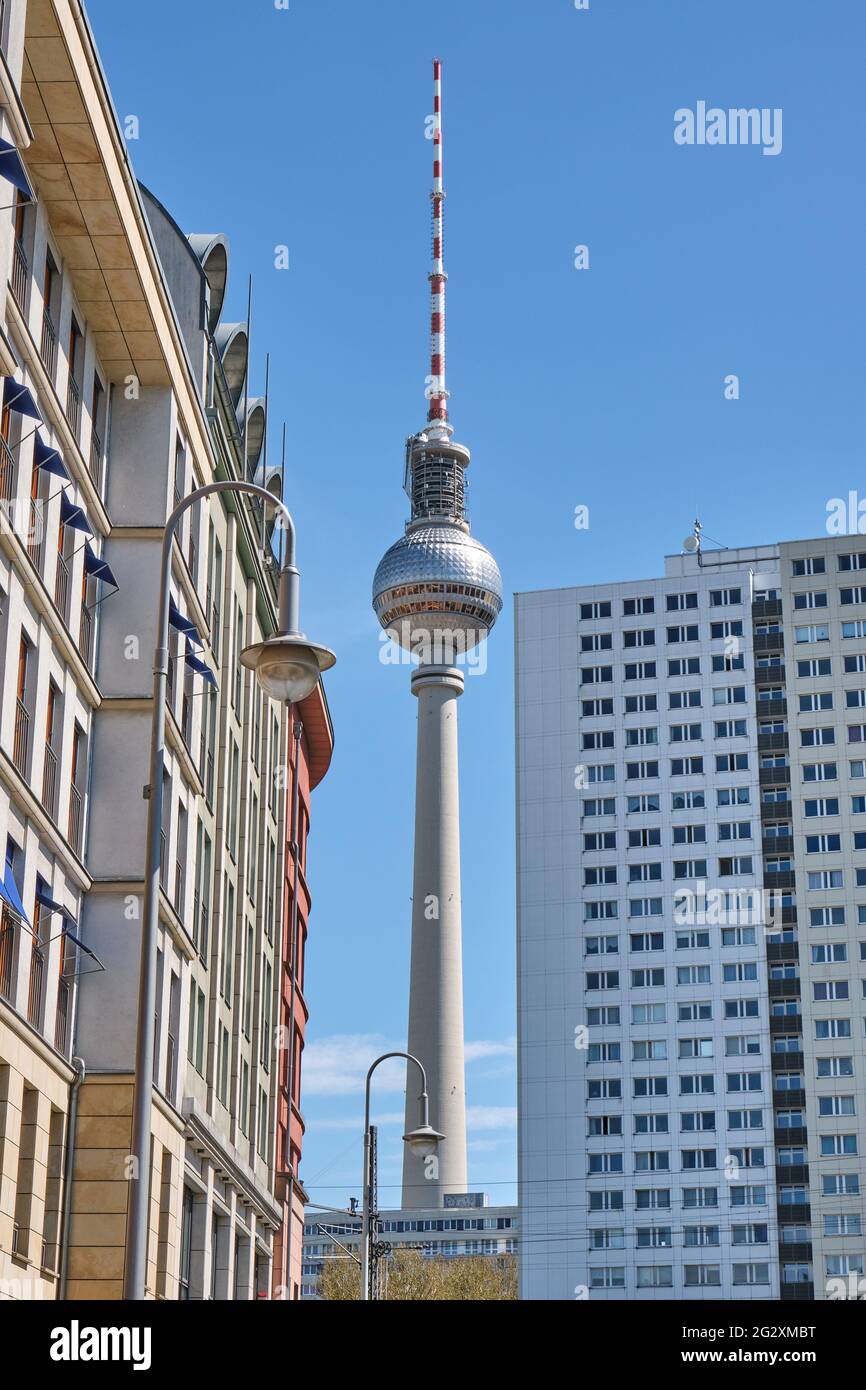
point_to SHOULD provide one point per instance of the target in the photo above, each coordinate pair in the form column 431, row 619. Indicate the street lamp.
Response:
column 288, row 668
column 424, row 1141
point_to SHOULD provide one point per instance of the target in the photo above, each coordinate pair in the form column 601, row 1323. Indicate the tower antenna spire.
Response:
column 437, row 414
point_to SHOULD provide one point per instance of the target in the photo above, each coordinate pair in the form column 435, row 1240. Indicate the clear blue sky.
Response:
column 601, row 387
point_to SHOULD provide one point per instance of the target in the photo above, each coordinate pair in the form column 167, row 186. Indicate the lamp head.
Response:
column 287, row 666
column 423, row 1141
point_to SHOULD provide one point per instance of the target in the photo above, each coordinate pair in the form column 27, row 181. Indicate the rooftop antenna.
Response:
column 267, row 556
column 692, row 543
column 437, row 414
column 282, row 488
column 245, row 461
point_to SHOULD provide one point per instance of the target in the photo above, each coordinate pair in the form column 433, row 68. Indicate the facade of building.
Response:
column 692, row 929
column 113, row 341
column 310, row 746
column 463, row 1225
column 55, row 366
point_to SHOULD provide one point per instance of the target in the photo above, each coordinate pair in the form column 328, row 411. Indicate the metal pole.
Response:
column 135, row 1269
column 247, row 370
column 374, row 1225
column 297, row 731
column 365, row 1208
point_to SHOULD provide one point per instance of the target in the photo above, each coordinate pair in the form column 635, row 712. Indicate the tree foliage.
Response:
column 408, row 1276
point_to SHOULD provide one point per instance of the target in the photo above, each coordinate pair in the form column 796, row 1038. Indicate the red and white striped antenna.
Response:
column 437, row 415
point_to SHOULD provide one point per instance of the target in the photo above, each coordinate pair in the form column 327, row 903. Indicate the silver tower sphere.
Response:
column 437, row 585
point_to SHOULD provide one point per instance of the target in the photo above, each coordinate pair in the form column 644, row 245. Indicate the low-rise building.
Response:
column 465, row 1225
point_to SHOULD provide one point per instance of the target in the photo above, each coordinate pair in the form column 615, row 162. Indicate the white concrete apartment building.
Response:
column 113, row 325
column 464, row 1226
column 692, row 1084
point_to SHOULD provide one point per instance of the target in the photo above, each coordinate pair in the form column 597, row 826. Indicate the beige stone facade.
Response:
column 113, row 325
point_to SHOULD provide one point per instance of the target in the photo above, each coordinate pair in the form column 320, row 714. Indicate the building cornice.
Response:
column 42, row 602
column 202, row 1136
column 8, row 360
column 318, row 733
column 35, row 1042
column 33, row 809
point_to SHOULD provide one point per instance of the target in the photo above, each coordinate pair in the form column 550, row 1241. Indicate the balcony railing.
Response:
column 96, row 458
column 170, row 1065
column 7, row 956
column 61, row 1026
column 163, row 867
column 35, row 535
column 49, row 781
column 85, row 635
column 21, row 746
column 203, row 930
column 73, row 404
column 37, row 983
column 20, row 276
column 49, row 344
column 75, row 817
column 61, row 587
column 7, row 471
column 186, row 719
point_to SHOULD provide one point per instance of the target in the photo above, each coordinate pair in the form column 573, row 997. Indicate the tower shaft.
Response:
column 436, row 980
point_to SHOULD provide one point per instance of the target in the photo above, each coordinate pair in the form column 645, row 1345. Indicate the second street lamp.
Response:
column 288, row 667
column 424, row 1141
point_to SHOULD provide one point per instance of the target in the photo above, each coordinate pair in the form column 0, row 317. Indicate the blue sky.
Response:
column 602, row 387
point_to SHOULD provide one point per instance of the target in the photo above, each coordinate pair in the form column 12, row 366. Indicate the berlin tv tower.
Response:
column 437, row 592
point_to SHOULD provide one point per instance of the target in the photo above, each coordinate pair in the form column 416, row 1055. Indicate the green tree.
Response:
column 408, row 1276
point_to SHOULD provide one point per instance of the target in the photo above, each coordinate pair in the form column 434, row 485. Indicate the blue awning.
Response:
column 17, row 397
column 200, row 668
column 44, row 899
column 76, row 941
column 11, row 168
column 10, row 895
column 47, row 457
column 73, row 516
column 182, row 624
column 99, row 569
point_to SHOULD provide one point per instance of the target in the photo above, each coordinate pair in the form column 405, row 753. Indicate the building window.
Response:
column 184, row 1278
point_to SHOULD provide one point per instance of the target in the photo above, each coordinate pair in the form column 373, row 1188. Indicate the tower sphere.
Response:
column 437, row 578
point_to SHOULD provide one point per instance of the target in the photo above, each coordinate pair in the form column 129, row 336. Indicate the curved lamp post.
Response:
column 287, row 667
column 424, row 1141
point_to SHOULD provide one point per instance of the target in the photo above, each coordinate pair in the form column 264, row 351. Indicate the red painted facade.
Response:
column 315, row 747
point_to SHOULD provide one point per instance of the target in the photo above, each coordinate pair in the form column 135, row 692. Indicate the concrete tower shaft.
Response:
column 436, row 979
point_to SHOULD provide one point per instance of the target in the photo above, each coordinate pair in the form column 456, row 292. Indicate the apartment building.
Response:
column 465, row 1226
column 53, row 576
column 124, row 390
column 691, row 948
